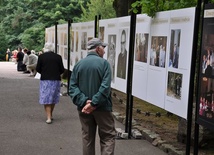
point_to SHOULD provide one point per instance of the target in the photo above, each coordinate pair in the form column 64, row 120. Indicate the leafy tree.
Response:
column 93, row 9
column 59, row 10
column 23, row 22
column 33, row 37
column 3, row 45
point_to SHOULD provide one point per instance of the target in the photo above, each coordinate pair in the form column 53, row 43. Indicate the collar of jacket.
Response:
column 92, row 53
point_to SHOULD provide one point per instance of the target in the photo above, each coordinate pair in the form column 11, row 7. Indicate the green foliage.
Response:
column 98, row 7
column 23, row 22
column 3, row 45
column 150, row 7
column 59, row 10
column 33, row 37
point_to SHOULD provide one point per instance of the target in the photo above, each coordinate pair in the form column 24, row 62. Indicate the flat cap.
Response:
column 93, row 43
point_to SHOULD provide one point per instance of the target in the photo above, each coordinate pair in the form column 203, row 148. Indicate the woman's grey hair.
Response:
column 49, row 47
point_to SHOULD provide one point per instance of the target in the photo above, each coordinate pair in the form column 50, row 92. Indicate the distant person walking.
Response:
column 19, row 59
column 90, row 90
column 8, row 55
column 50, row 67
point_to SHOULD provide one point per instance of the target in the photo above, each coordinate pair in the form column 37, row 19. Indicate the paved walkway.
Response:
column 23, row 130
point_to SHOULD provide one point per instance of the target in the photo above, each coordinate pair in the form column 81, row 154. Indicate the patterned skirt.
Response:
column 49, row 91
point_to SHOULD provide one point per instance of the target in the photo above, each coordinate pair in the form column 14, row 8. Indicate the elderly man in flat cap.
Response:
column 90, row 90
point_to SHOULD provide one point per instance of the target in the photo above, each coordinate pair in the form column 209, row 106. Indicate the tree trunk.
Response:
column 122, row 7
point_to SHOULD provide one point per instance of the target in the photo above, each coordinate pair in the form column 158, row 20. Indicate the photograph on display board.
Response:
column 65, row 39
column 141, row 47
column 122, row 57
column 208, row 56
column 158, row 51
column 174, row 85
column 205, row 101
column 84, row 41
column 72, row 41
column 77, row 41
column 111, row 54
column 174, row 48
column 101, row 33
column 206, row 104
column 65, row 54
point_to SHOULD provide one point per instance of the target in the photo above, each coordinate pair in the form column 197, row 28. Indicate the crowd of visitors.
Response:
column 25, row 59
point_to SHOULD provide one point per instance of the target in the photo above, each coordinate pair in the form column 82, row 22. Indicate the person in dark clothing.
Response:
column 208, row 70
column 19, row 59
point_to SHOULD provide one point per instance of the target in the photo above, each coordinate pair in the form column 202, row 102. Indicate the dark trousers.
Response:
column 106, row 131
column 24, row 67
column 19, row 66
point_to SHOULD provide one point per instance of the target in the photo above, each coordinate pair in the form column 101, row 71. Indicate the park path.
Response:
column 23, row 130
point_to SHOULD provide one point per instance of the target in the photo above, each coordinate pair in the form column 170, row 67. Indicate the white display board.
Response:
column 163, row 78
column 86, row 33
column 75, row 47
column 122, row 53
column 80, row 34
column 115, row 32
column 181, row 36
column 156, row 79
column 50, row 34
column 108, row 33
column 141, row 56
column 62, row 43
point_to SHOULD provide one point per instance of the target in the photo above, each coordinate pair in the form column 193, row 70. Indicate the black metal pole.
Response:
column 129, row 103
column 56, row 37
column 95, row 27
column 192, row 77
column 69, row 53
column 196, row 137
column 198, row 13
column 98, row 26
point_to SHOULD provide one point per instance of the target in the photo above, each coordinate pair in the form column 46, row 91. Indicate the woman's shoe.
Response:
column 49, row 121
